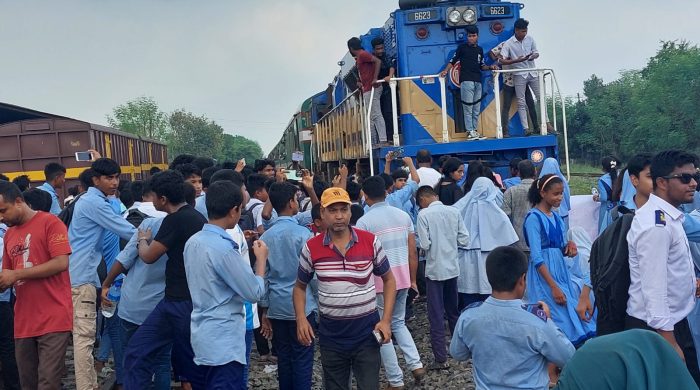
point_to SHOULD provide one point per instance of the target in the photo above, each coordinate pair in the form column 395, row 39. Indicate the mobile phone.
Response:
column 83, row 156
column 535, row 309
column 412, row 294
column 378, row 336
column 299, row 173
column 594, row 191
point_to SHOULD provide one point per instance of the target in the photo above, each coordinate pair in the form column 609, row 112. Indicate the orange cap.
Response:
column 334, row 195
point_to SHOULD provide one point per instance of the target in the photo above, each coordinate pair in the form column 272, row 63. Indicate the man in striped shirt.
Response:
column 345, row 261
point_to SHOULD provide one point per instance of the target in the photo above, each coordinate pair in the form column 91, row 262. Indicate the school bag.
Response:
column 610, row 274
column 66, row 215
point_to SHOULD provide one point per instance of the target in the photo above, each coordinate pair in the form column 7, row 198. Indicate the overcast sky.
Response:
column 248, row 64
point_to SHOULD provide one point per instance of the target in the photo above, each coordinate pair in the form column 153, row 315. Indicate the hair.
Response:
column 126, row 196
column 354, row 43
column 665, row 162
column 53, row 170
column 617, row 186
column 526, row 169
column 188, row 170
column 154, row 170
column 204, row 162
column 388, row 180
column 255, row 183
column 544, row 183
column 182, row 159
column 442, row 160
column 227, row 174
column 374, row 188
column 638, row 163
column 22, row 182
column 229, row 165
column 85, row 178
column 222, row 197
column 451, row 165
column 74, row 191
column 424, row 157
column 316, row 211
column 207, row 174
column 521, row 24
column 123, row 184
column 190, row 194
column 513, row 164
column 136, row 188
column 504, row 267
column 475, row 170
column 356, row 212
column 10, row 192
column 4, row 178
column 399, row 174
column 353, row 191
column 472, row 29
column 281, row 194
column 609, row 164
column 105, row 167
column 38, row 200
column 377, row 41
column 425, row 192
column 170, row 184
column 320, row 186
column 261, row 163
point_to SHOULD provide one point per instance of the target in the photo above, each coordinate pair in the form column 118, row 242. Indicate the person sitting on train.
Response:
column 386, row 72
column 265, row 167
column 471, row 59
column 368, row 67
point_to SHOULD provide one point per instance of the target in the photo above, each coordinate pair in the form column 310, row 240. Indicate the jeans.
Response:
column 113, row 330
column 508, row 95
column 442, row 301
column 363, row 362
column 168, row 324
column 521, row 84
column 470, row 92
column 295, row 362
column 376, row 119
column 403, row 338
column 10, row 376
column 225, row 377
column 161, row 375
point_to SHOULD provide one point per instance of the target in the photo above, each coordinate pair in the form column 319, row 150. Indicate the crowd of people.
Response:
column 179, row 275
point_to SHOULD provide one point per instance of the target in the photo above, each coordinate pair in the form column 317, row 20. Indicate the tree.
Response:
column 142, row 117
column 236, row 147
column 194, row 134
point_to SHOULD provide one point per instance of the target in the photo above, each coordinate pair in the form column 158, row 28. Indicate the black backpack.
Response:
column 134, row 217
column 66, row 215
column 610, row 274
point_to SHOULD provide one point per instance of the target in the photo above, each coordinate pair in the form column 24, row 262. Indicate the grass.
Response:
column 581, row 185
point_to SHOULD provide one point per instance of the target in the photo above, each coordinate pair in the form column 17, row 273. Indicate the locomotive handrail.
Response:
column 337, row 106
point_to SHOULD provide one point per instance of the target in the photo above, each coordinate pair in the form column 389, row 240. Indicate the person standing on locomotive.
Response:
column 386, row 72
column 369, row 66
column 471, row 58
column 520, row 52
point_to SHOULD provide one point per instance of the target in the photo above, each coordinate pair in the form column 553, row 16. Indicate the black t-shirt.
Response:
column 471, row 59
column 174, row 232
column 387, row 64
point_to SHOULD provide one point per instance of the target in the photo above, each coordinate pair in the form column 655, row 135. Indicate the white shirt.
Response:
column 147, row 208
column 514, row 49
column 428, row 176
column 662, row 288
column 257, row 211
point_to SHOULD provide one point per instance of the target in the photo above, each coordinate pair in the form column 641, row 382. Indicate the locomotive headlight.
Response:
column 454, row 16
column 469, row 16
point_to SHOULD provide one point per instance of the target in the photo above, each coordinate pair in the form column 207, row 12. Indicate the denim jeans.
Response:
column 470, row 92
column 113, row 329
column 161, row 376
column 295, row 362
column 403, row 337
column 229, row 376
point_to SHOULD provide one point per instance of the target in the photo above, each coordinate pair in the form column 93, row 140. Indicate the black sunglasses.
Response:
column 685, row 178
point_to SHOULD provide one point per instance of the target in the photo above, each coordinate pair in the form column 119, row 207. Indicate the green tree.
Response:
column 236, row 147
column 194, row 134
column 142, row 117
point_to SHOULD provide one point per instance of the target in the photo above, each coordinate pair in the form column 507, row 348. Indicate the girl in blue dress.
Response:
column 605, row 192
column 551, row 167
column 548, row 277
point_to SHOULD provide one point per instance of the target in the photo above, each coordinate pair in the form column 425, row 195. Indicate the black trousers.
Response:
column 683, row 337
column 10, row 376
column 385, row 104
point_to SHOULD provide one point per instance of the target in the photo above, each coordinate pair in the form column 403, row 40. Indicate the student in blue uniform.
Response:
column 510, row 343
column 605, row 192
column 549, row 279
column 551, row 167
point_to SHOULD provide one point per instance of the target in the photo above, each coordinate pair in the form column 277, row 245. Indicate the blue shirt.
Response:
column 200, row 204
column 511, row 182
column 110, row 246
column 55, row 204
column 303, row 219
column 144, row 284
column 509, row 346
column 92, row 216
column 5, row 295
column 219, row 281
column 285, row 240
column 404, row 199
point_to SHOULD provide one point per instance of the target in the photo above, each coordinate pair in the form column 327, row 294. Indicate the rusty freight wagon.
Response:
column 30, row 139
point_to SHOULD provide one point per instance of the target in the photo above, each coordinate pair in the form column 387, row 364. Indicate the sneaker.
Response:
column 473, row 135
column 434, row 366
column 528, row 133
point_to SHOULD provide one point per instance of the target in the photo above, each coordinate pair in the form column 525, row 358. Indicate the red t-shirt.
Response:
column 365, row 65
column 43, row 305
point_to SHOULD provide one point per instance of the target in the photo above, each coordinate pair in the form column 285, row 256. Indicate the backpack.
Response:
column 66, row 215
column 134, row 217
column 610, row 274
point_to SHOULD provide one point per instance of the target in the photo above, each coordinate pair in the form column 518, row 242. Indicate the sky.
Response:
column 249, row 64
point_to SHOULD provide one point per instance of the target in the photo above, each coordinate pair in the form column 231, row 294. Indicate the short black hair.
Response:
column 399, row 173
column 388, row 180
column 505, row 265
column 513, row 164
column 37, row 199
column 10, row 192
column 52, row 170
column 170, row 184
column 127, row 197
column 85, row 178
column 228, row 164
column 424, row 192
column 281, row 194
column 354, row 43
column 638, row 163
column 204, row 162
column 207, row 174
column 665, row 162
column 353, row 190
column 472, row 29
column 374, row 188
column 136, row 188
column 188, row 170
column 356, row 212
column 227, row 174
column 182, row 159
column 190, row 194
column 526, row 169
column 261, row 163
column 521, row 24
column 320, row 186
column 316, row 211
column 105, row 167
column 22, row 182
column 4, row 178
column 74, row 191
column 222, row 197
column 377, row 41
column 255, row 183
column 424, row 157
column 154, row 170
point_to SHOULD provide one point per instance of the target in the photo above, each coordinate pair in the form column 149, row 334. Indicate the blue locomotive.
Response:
column 421, row 36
